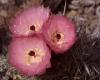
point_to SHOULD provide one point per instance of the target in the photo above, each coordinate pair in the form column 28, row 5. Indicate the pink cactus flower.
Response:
column 29, row 22
column 30, row 56
column 59, row 33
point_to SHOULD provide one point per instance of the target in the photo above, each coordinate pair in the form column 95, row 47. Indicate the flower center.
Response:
column 58, row 36
column 32, row 28
column 31, row 53
column 34, row 56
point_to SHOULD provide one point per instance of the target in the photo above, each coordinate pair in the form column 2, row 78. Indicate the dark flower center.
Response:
column 32, row 28
column 58, row 36
column 31, row 53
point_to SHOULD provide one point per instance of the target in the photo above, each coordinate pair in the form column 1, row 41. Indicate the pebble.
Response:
column 72, row 13
column 3, row 13
column 4, row 1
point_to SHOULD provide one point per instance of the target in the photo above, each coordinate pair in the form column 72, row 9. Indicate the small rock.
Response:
column 3, row 13
column 4, row 1
column 72, row 13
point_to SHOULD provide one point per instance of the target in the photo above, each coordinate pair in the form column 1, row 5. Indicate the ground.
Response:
column 81, row 62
